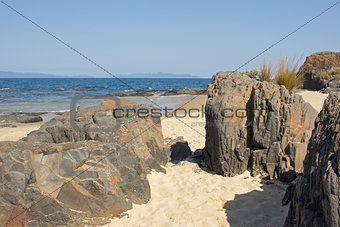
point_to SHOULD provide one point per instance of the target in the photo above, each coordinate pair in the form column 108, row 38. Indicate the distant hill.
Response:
column 4, row 74
column 156, row 75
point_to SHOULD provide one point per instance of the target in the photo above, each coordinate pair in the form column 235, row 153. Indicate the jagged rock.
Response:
column 315, row 196
column 322, row 71
column 21, row 117
column 59, row 175
column 179, row 149
column 250, row 124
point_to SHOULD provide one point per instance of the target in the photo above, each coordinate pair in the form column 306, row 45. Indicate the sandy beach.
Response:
column 188, row 195
column 18, row 132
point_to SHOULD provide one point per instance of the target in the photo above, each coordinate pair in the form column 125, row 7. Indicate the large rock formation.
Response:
column 255, row 125
column 316, row 194
column 64, row 175
column 322, row 71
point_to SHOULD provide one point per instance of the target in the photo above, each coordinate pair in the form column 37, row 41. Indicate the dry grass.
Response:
column 287, row 74
column 266, row 71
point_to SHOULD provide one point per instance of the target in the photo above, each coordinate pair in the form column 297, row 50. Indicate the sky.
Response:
column 179, row 36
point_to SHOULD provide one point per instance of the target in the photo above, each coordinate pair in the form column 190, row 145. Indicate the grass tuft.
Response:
column 266, row 71
column 287, row 74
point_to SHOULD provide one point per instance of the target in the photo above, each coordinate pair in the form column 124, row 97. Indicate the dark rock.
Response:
column 7, row 126
column 186, row 91
column 178, row 150
column 162, row 92
column 21, row 117
column 59, row 175
column 257, row 161
column 250, row 124
column 315, row 196
column 321, row 71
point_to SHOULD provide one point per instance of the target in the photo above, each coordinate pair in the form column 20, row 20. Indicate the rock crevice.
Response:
column 315, row 196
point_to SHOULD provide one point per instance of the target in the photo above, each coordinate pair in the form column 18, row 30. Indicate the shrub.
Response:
column 265, row 71
column 252, row 73
column 287, row 74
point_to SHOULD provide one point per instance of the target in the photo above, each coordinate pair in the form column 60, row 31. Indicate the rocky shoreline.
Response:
column 89, row 166
column 161, row 92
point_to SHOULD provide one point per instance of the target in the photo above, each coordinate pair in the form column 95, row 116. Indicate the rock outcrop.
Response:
column 315, row 196
column 64, row 175
column 321, row 71
column 161, row 92
column 257, row 126
column 21, row 117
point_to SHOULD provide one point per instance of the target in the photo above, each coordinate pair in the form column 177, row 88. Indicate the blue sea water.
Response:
column 47, row 94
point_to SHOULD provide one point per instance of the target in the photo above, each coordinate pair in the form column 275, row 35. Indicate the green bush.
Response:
column 252, row 73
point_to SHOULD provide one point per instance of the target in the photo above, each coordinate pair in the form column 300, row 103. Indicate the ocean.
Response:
column 53, row 95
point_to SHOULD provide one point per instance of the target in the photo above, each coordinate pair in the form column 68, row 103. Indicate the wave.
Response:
column 69, row 90
column 7, row 89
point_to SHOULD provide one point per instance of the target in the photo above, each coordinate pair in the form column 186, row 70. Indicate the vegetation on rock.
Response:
column 287, row 74
column 266, row 71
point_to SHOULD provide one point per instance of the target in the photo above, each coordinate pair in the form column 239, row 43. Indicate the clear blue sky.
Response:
column 177, row 36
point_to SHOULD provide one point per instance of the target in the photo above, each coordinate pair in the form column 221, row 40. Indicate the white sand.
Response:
column 315, row 98
column 14, row 134
column 188, row 196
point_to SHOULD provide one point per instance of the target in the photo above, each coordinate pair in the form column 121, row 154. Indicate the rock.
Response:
column 321, row 71
column 161, row 92
column 178, row 150
column 297, row 153
column 257, row 161
column 61, row 175
column 7, row 126
column 21, row 117
column 315, row 196
column 186, row 91
column 250, row 124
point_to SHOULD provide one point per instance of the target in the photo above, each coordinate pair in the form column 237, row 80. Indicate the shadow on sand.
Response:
column 258, row 208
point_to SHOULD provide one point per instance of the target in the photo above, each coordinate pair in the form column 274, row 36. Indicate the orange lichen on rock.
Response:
column 109, row 104
column 113, row 179
column 81, row 189
column 113, row 104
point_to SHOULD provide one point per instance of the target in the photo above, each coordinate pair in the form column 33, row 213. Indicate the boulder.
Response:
column 178, row 149
column 21, row 117
column 315, row 196
column 80, row 171
column 256, row 126
column 185, row 91
column 321, row 71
